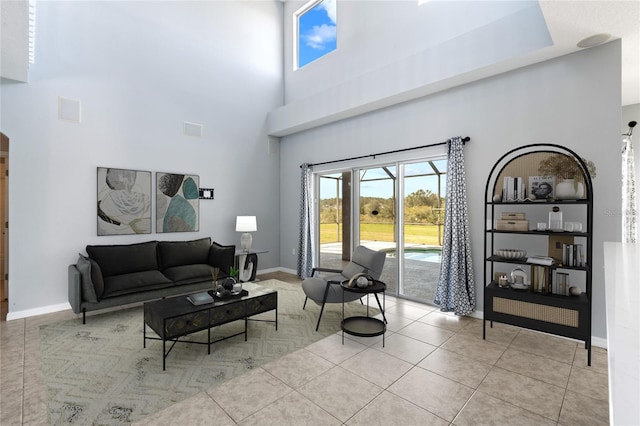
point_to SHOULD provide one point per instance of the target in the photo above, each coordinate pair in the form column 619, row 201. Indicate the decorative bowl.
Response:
column 511, row 253
column 575, row 291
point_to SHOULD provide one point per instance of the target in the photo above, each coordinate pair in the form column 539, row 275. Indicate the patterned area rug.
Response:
column 99, row 373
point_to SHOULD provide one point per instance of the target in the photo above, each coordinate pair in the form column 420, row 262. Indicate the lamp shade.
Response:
column 246, row 224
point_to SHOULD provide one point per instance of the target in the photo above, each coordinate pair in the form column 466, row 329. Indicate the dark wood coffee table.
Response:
column 176, row 317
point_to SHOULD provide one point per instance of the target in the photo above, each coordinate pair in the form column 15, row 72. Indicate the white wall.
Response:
column 374, row 34
column 394, row 51
column 573, row 100
column 140, row 69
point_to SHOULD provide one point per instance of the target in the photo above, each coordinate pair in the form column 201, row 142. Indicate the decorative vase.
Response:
column 568, row 189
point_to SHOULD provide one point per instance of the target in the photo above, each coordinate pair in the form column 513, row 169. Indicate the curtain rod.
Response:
column 464, row 140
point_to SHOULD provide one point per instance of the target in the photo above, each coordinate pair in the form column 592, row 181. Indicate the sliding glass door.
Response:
column 397, row 208
column 377, row 218
column 334, row 213
column 424, row 185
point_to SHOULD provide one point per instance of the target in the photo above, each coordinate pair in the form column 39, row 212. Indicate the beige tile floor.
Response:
column 434, row 369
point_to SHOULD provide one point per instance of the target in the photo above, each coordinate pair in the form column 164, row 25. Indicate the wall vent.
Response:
column 69, row 109
column 192, row 129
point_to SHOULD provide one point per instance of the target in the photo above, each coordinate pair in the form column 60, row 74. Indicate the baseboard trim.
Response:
column 267, row 271
column 277, row 269
column 38, row 311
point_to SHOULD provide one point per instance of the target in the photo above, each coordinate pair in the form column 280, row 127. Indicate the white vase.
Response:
column 569, row 190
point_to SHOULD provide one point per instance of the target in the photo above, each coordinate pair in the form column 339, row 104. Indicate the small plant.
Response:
column 234, row 273
column 565, row 167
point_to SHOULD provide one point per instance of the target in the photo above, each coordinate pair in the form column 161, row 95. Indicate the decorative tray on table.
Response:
column 227, row 294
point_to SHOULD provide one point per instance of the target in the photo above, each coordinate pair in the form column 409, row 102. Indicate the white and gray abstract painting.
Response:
column 124, row 201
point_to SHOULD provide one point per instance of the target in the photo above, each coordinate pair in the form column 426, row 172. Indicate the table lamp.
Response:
column 246, row 224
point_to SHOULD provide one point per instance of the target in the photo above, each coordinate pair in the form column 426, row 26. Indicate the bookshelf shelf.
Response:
column 541, row 307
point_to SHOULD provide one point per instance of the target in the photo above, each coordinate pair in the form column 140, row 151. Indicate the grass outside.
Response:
column 413, row 234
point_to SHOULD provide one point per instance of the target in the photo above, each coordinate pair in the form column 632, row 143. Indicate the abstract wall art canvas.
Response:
column 124, row 201
column 177, row 202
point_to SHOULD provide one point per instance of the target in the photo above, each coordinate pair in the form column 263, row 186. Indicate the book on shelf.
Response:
column 540, row 279
column 513, row 189
column 573, row 255
column 556, row 243
column 540, row 260
column 200, row 298
column 542, row 187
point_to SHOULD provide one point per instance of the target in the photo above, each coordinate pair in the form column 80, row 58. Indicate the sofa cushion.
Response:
column 88, row 291
column 125, row 259
column 135, row 282
column 179, row 253
column 97, row 278
column 189, row 274
column 222, row 256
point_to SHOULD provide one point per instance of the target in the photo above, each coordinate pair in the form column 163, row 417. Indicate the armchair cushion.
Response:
column 351, row 269
column 314, row 289
column 374, row 261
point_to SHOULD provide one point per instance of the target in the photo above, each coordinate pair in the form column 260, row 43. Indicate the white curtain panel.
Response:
column 629, row 210
column 456, row 289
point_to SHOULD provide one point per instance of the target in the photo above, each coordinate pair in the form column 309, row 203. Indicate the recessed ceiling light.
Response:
column 593, row 40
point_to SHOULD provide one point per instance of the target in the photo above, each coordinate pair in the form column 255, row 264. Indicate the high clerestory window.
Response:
column 314, row 31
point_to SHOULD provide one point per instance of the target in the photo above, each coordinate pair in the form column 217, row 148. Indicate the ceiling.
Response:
column 568, row 22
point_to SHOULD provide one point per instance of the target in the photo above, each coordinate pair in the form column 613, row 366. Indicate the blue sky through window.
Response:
column 316, row 32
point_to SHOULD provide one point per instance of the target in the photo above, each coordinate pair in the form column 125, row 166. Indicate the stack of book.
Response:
column 540, row 260
column 513, row 189
column 540, row 282
column 573, row 255
column 200, row 298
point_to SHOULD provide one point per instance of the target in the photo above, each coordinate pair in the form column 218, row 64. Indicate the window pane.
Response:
column 316, row 32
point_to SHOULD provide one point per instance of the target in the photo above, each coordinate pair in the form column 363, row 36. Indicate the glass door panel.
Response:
column 377, row 227
column 424, row 187
column 334, row 220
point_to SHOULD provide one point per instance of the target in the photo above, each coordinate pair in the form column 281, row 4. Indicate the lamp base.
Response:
column 245, row 241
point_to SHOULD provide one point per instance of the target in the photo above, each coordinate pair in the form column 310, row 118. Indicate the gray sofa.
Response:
column 115, row 275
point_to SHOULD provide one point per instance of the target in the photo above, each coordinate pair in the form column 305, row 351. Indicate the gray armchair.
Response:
column 327, row 289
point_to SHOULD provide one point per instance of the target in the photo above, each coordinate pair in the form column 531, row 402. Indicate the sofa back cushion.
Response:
column 222, row 257
column 125, row 259
column 180, row 253
column 92, row 282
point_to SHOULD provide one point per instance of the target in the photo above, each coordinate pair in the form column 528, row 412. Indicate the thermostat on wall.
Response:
column 206, row 194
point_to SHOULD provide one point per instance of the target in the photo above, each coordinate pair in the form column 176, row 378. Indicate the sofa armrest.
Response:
column 75, row 288
column 222, row 257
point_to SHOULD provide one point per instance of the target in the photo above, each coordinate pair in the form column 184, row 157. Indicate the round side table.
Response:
column 365, row 326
